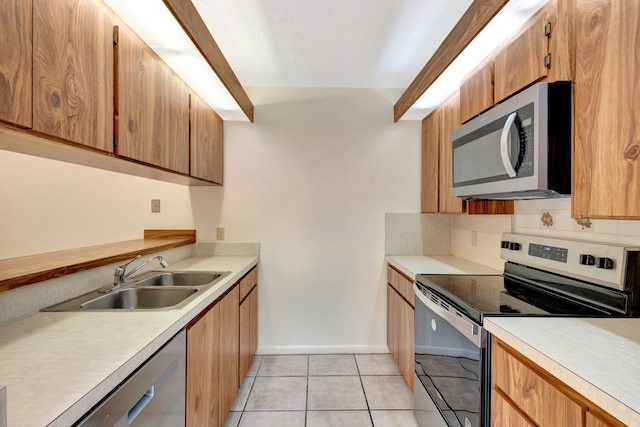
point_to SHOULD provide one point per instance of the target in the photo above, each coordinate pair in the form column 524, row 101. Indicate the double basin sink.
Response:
column 155, row 290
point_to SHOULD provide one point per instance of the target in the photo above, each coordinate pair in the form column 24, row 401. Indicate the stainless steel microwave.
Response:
column 520, row 149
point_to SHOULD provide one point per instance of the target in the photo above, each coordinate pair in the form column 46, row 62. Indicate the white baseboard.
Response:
column 321, row 349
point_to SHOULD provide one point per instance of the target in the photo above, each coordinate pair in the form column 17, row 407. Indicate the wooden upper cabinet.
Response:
column 606, row 164
column 15, row 62
column 522, row 61
column 476, row 92
column 449, row 121
column 430, row 162
column 152, row 107
column 73, row 72
column 207, row 140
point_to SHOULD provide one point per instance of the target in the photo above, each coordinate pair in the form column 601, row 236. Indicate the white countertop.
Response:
column 599, row 358
column 414, row 265
column 58, row 365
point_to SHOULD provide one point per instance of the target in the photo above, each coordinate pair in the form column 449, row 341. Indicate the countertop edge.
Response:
column 579, row 384
column 89, row 400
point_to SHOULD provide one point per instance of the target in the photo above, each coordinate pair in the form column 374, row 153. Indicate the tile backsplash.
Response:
column 552, row 217
column 488, row 231
column 417, row 234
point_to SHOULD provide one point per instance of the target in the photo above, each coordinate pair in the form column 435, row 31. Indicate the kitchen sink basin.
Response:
column 140, row 299
column 154, row 290
column 179, row 279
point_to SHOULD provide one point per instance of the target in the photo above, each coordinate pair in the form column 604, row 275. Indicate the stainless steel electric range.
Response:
column 542, row 277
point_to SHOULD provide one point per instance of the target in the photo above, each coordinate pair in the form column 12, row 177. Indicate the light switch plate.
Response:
column 155, row 205
column 220, row 233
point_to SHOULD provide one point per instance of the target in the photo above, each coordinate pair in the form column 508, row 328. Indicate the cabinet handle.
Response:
column 505, row 144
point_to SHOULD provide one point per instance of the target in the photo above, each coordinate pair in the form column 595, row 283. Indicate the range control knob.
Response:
column 513, row 246
column 605, row 263
column 586, row 259
column 504, row 244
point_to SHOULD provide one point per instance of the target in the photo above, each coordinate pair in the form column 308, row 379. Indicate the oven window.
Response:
column 449, row 369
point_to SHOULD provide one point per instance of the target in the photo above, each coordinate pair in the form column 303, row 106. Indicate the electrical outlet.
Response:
column 155, row 205
column 474, row 238
column 220, row 233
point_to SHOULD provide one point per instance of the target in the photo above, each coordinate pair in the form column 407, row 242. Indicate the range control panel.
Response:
column 601, row 263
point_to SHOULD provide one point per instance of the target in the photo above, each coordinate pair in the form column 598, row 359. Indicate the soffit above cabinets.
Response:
column 442, row 74
column 155, row 24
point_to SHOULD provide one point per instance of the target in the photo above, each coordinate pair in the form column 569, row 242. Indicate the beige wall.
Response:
column 311, row 180
column 46, row 205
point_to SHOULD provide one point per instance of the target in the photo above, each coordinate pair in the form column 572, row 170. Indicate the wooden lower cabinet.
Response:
column 523, row 394
column 229, row 351
column 248, row 330
column 212, row 363
column 400, row 313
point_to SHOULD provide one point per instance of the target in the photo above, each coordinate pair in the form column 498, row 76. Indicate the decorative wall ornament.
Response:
column 584, row 222
column 547, row 219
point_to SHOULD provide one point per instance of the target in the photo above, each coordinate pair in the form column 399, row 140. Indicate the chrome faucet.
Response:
column 120, row 274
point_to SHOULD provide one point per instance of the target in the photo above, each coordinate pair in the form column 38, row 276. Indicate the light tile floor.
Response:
column 327, row 390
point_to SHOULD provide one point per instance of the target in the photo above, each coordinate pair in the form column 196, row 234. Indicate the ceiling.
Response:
column 329, row 43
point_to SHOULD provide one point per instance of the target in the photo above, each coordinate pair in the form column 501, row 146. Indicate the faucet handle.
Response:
column 118, row 275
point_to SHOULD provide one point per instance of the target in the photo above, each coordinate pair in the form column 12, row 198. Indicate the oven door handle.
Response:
column 466, row 327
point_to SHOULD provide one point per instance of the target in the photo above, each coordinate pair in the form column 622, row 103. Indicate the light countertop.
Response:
column 79, row 357
column 414, row 265
column 596, row 357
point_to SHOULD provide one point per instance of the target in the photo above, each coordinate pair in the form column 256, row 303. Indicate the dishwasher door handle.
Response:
column 140, row 404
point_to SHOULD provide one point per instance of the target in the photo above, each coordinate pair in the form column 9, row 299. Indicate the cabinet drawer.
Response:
column 503, row 414
column 532, row 394
column 248, row 282
column 401, row 284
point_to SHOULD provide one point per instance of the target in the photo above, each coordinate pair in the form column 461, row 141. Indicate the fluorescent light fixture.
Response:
column 154, row 23
column 512, row 16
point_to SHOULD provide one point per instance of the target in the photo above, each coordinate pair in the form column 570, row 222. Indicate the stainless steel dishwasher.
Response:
column 154, row 395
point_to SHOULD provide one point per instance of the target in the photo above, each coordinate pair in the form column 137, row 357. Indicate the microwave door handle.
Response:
column 505, row 144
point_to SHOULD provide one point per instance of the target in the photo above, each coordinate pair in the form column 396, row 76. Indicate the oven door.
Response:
column 451, row 365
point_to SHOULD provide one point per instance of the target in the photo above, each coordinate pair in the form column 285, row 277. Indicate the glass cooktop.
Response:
column 495, row 295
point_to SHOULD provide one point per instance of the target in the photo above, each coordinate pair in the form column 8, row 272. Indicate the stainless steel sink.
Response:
column 179, row 279
column 140, row 299
column 150, row 291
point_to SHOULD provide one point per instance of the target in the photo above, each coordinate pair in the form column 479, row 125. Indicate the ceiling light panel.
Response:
column 154, row 23
column 504, row 25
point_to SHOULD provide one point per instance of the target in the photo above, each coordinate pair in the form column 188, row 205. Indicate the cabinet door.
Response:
column 476, row 92
column 449, row 121
column 206, row 139
column 543, row 402
column 73, row 72
column 152, row 110
column 15, row 62
column 248, row 331
column 203, row 371
column 392, row 322
column 606, row 165
column 229, row 351
column 430, row 162
column 406, row 354
column 521, row 62
column 253, row 326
